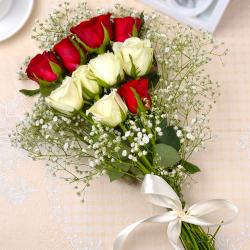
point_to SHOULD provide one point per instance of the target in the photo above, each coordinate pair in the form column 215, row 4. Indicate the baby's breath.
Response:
column 58, row 139
column 58, row 23
column 184, row 89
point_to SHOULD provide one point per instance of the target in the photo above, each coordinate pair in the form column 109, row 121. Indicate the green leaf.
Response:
column 55, row 68
column 169, row 137
column 124, row 166
column 136, row 172
column 118, row 170
column 142, row 19
column 115, row 174
column 134, row 30
column 142, row 16
column 141, row 107
column 153, row 79
column 163, row 124
column 77, row 46
column 190, row 167
column 30, row 92
column 46, row 89
column 169, row 156
column 133, row 71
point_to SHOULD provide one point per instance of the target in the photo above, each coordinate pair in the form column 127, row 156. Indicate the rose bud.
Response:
column 90, row 87
column 141, row 87
column 70, row 53
column 109, row 110
column 126, row 27
column 136, row 56
column 106, row 69
column 44, row 68
column 67, row 98
column 94, row 34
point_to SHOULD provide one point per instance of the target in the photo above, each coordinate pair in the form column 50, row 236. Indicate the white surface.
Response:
column 201, row 6
column 208, row 19
column 16, row 17
column 4, row 7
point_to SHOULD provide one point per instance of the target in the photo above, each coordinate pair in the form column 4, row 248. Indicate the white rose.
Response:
column 67, row 98
column 109, row 110
column 107, row 69
column 90, row 87
column 136, row 56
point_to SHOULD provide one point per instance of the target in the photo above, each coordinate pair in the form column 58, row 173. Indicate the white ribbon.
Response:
column 158, row 192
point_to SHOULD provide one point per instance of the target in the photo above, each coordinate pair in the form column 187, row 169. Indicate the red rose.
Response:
column 126, row 27
column 141, row 87
column 95, row 33
column 70, row 53
column 44, row 68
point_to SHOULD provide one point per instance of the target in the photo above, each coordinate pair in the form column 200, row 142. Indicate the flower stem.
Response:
column 193, row 237
column 85, row 117
column 143, row 169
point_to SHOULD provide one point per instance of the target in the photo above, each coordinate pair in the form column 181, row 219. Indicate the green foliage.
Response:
column 118, row 170
column 55, row 68
column 30, row 92
column 190, row 167
column 141, row 107
column 133, row 71
column 168, row 155
column 46, row 89
column 169, row 136
column 153, row 79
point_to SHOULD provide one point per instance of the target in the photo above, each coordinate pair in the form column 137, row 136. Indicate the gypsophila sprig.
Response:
column 21, row 73
column 184, row 89
column 46, row 135
column 54, row 28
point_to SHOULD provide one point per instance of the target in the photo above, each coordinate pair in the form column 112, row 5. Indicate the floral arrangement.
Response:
column 123, row 94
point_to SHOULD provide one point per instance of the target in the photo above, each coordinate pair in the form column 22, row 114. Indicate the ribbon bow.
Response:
column 158, row 192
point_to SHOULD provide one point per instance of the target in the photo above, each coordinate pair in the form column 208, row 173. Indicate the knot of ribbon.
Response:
column 158, row 192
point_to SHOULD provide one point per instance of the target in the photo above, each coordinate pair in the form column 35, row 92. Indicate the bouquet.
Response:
column 124, row 94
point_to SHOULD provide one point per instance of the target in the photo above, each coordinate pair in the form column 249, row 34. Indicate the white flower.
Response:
column 158, row 129
column 179, row 133
column 124, row 153
column 109, row 110
column 139, row 134
column 127, row 133
column 90, row 87
column 107, row 69
column 190, row 137
column 67, row 98
column 136, row 56
column 145, row 139
column 66, row 146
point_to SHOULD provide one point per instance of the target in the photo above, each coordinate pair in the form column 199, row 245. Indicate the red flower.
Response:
column 141, row 87
column 70, row 52
column 95, row 33
column 44, row 67
column 126, row 27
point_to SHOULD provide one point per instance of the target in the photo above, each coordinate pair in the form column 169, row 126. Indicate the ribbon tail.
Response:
column 174, row 231
column 122, row 236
